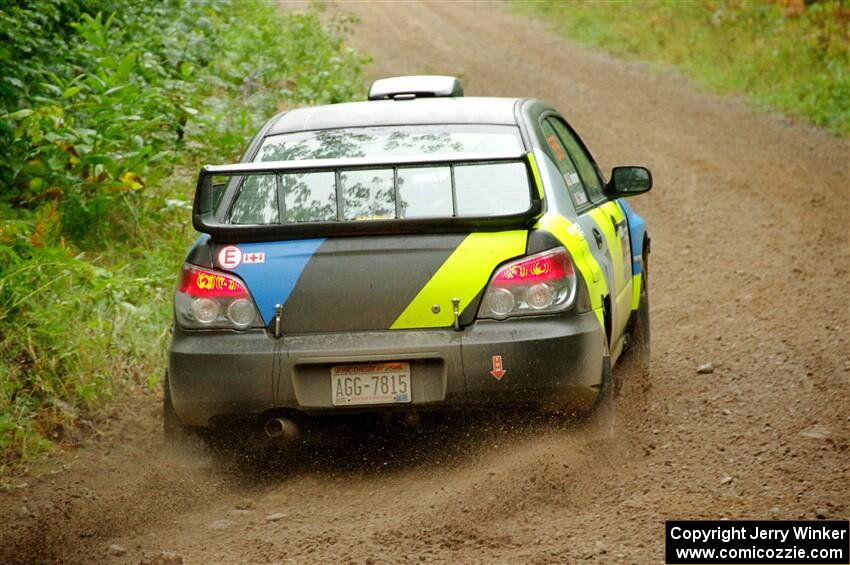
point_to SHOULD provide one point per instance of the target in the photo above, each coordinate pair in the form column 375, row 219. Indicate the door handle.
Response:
column 597, row 235
column 617, row 225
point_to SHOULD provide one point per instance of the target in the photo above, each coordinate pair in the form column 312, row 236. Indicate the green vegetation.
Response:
column 107, row 110
column 788, row 55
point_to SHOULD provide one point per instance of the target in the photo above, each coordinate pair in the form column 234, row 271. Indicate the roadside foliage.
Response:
column 107, row 110
column 788, row 55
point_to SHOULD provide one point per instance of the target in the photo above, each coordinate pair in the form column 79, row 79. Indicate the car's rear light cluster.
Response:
column 211, row 299
column 539, row 284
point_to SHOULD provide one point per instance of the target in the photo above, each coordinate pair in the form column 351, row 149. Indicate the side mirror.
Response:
column 628, row 181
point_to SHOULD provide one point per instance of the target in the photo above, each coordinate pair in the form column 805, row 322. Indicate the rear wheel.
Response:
column 638, row 355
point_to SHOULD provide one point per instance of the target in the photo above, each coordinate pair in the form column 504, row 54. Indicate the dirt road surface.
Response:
column 749, row 223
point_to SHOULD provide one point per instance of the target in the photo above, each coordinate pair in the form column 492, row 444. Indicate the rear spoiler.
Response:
column 209, row 213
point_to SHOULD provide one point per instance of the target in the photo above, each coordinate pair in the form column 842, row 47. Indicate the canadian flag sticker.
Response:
column 229, row 257
column 254, row 257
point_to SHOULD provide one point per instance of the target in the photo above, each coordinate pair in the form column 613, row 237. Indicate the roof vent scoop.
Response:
column 419, row 86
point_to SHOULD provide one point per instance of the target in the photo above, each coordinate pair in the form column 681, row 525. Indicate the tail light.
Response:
column 210, row 299
column 539, row 284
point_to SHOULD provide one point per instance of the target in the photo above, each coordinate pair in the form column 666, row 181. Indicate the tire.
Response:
column 633, row 368
column 639, row 351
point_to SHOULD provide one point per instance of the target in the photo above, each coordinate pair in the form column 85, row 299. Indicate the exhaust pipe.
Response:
column 281, row 427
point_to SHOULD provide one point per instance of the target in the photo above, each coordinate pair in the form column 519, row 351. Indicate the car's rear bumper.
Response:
column 553, row 360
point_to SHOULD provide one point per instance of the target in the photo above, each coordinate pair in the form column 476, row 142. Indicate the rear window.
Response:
column 391, row 192
column 391, row 141
column 437, row 191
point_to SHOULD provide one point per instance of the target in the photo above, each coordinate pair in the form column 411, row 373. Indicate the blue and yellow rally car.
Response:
column 417, row 251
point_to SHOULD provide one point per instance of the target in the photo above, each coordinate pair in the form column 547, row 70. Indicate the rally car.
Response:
column 417, row 251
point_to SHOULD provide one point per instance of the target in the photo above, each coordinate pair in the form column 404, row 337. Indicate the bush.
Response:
column 790, row 55
column 107, row 109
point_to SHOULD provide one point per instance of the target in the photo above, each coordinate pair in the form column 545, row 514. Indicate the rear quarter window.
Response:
column 569, row 172
column 583, row 164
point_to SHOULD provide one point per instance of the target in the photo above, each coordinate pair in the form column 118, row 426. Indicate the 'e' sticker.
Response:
column 229, row 257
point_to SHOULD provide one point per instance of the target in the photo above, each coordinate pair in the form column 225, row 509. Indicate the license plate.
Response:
column 370, row 383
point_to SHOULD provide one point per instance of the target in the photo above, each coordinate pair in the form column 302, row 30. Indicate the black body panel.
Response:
column 364, row 283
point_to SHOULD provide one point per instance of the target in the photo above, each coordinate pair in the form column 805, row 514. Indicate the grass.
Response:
column 785, row 55
column 111, row 118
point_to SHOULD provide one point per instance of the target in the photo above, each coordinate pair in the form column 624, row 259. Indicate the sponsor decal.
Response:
column 553, row 142
column 498, row 371
column 576, row 229
column 229, row 257
column 539, row 267
column 211, row 281
column 253, row 257
column 578, row 196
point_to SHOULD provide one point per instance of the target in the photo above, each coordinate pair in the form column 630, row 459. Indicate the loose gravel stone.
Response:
column 245, row 504
column 818, row 431
column 117, row 550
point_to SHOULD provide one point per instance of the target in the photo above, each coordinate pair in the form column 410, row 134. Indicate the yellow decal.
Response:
column 205, row 281
column 521, row 271
column 537, row 182
column 463, row 275
column 602, row 216
column 572, row 236
column 636, row 291
column 209, row 281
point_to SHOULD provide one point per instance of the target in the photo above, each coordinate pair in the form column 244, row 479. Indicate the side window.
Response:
column 585, row 167
column 565, row 165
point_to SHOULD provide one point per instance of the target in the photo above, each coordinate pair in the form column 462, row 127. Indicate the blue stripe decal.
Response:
column 637, row 228
column 198, row 242
column 272, row 281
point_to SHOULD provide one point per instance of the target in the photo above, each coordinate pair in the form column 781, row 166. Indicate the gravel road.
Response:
column 750, row 258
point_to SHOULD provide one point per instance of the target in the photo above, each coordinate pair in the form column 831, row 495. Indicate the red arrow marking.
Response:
column 498, row 372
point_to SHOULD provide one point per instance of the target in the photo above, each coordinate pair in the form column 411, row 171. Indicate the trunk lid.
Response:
column 375, row 282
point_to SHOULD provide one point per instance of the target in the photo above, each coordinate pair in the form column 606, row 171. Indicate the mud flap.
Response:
column 603, row 419
column 177, row 436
